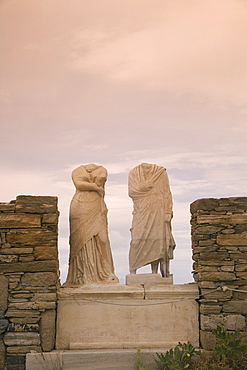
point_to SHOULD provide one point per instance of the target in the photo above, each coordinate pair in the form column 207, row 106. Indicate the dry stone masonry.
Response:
column 29, row 277
column 219, row 242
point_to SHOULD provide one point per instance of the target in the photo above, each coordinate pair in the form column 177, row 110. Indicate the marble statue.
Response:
column 152, row 241
column 90, row 258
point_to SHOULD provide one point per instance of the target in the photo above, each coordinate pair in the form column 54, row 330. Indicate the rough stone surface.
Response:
column 36, row 204
column 48, row 329
column 219, row 242
column 28, row 278
column 2, row 353
column 3, row 292
column 19, row 220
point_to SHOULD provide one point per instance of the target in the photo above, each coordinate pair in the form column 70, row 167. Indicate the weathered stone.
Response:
column 50, row 219
column 222, row 219
column 8, row 258
column 207, row 284
column 2, row 354
column 36, row 204
column 26, row 258
column 16, row 250
column 23, row 350
column 21, row 339
column 15, row 362
column 22, row 313
column 42, row 279
column 207, row 340
column 217, row 263
column 208, row 230
column 233, row 239
column 213, row 256
column 13, row 327
column 239, row 256
column 236, row 307
column 209, row 309
column 3, row 292
column 19, row 220
column 45, row 253
column 203, row 204
column 227, row 268
column 230, row 322
column 228, row 231
column 47, row 329
column 33, row 237
column 30, row 266
column 32, row 305
column 9, row 207
column 217, row 276
column 242, row 275
column 241, row 267
column 4, row 323
column 38, row 297
column 219, row 294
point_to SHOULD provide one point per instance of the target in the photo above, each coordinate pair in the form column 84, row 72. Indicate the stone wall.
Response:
column 219, row 242
column 29, row 277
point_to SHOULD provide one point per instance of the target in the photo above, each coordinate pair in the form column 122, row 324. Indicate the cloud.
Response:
column 194, row 47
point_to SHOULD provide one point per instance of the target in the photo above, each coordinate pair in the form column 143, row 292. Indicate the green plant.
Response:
column 178, row 358
column 228, row 343
column 139, row 361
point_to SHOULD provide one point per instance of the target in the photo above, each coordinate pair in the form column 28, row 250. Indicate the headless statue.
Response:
column 152, row 241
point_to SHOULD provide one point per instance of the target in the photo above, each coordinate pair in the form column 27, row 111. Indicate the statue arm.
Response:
column 83, row 185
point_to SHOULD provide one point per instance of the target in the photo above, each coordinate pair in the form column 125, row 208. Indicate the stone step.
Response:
column 92, row 359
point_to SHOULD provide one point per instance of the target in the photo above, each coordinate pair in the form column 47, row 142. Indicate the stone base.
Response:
column 141, row 279
column 125, row 317
column 91, row 360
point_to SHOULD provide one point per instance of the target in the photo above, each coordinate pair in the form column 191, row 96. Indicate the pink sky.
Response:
column 118, row 83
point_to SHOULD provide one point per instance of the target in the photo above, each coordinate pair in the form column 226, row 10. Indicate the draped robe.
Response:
column 90, row 254
column 151, row 236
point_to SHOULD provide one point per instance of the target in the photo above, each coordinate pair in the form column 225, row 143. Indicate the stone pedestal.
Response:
column 127, row 316
column 142, row 279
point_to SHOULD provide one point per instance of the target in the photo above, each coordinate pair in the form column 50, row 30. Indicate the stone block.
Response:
column 8, row 258
column 50, row 219
column 23, row 350
column 23, row 327
column 207, row 309
column 230, row 322
column 30, row 266
column 208, row 230
column 223, row 219
column 22, row 313
column 7, row 207
column 45, row 253
column 217, row 276
column 19, row 220
column 4, row 323
column 47, row 297
column 32, row 237
column 3, row 292
column 48, row 330
column 207, row 340
column 233, row 239
column 219, row 294
column 36, row 204
column 39, row 279
column 236, row 307
column 15, row 362
column 84, row 322
column 2, row 353
column 21, row 339
column 18, row 250
column 141, row 279
column 204, row 204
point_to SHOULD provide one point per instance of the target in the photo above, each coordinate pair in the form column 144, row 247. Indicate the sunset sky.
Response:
column 118, row 83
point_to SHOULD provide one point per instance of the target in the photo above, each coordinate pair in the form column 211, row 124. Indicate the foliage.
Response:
column 178, row 358
column 139, row 361
column 228, row 343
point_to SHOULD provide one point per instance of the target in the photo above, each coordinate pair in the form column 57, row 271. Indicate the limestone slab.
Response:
column 36, row 204
column 90, row 323
column 171, row 292
column 91, row 360
column 19, row 220
column 141, row 279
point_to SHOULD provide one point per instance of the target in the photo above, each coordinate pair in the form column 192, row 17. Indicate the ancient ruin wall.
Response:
column 28, row 277
column 219, row 242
